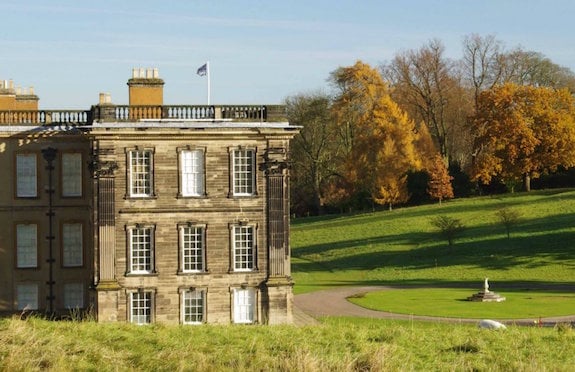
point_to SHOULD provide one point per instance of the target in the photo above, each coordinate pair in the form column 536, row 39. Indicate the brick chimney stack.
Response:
column 17, row 98
column 146, row 88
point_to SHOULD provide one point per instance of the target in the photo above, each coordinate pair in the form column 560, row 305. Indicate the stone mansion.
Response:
column 145, row 212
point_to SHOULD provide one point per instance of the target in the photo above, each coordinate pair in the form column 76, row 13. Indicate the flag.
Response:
column 203, row 70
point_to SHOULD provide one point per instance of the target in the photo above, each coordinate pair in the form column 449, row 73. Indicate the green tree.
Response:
column 508, row 218
column 313, row 151
column 449, row 227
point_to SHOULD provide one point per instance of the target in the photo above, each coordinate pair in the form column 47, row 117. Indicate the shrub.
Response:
column 509, row 218
column 449, row 227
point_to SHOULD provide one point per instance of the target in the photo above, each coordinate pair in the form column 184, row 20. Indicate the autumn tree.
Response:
column 313, row 150
column 483, row 63
column 425, row 85
column 533, row 68
column 523, row 131
column 439, row 185
column 380, row 138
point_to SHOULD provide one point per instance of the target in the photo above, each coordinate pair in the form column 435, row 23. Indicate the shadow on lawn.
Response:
column 524, row 286
column 534, row 242
column 488, row 204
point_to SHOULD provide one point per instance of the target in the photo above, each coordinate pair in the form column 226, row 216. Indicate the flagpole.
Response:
column 208, row 73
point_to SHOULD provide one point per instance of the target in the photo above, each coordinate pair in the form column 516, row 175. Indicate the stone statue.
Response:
column 486, row 295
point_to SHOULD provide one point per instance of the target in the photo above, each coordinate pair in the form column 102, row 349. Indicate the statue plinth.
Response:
column 486, row 295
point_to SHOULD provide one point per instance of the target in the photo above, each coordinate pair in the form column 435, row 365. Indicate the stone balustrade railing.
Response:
column 46, row 117
column 125, row 113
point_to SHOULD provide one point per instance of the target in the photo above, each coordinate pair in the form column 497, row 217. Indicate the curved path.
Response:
column 333, row 302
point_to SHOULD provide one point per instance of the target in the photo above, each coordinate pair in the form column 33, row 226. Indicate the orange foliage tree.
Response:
column 439, row 185
column 380, row 138
column 521, row 132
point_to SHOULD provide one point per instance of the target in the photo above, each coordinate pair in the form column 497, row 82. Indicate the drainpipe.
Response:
column 49, row 155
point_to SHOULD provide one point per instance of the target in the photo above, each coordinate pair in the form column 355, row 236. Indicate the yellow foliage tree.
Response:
column 523, row 131
column 381, row 138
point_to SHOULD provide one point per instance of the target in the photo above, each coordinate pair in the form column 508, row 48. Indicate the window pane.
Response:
column 27, row 296
column 141, row 250
column 243, row 172
column 243, row 248
column 26, row 184
column 72, row 174
column 244, row 304
column 193, row 307
column 192, row 239
column 141, row 307
column 72, row 252
column 192, row 177
column 26, row 245
column 140, row 173
column 73, row 295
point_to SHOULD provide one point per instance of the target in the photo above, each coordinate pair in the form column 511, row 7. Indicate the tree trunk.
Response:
column 527, row 182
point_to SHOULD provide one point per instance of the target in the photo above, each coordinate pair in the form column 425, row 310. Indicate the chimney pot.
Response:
column 156, row 73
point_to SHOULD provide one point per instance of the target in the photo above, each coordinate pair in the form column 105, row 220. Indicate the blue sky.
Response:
column 259, row 51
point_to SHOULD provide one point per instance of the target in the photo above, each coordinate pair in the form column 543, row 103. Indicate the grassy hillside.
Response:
column 403, row 247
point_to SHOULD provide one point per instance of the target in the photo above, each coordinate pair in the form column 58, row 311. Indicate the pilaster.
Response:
column 277, row 292
column 103, row 166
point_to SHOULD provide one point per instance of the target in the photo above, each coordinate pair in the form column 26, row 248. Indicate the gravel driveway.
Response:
column 333, row 302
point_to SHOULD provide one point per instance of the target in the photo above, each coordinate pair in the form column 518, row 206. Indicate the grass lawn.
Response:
column 403, row 247
column 452, row 303
column 338, row 344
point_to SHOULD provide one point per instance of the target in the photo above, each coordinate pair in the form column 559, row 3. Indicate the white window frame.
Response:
column 192, row 173
column 141, row 252
column 141, row 307
column 244, row 300
column 193, row 309
column 74, row 295
column 26, row 175
column 26, row 245
column 72, row 244
column 192, row 248
column 140, row 173
column 243, row 248
column 27, row 296
column 71, row 174
column 243, row 173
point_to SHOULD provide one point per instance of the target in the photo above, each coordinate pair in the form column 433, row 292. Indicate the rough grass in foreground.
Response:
column 338, row 344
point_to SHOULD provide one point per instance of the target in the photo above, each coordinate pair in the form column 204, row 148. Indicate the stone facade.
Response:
column 150, row 251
